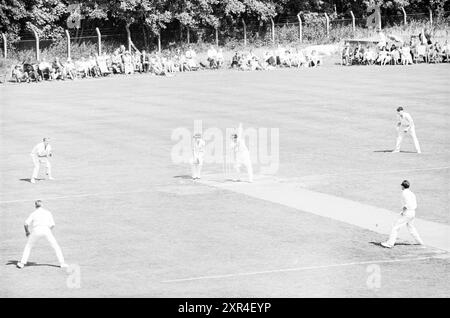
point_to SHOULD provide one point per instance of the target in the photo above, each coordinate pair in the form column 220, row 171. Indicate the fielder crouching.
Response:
column 38, row 225
column 40, row 154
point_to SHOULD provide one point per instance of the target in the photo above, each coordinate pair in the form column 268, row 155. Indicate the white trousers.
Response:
column 35, row 235
column 37, row 164
column 197, row 163
column 401, row 134
column 407, row 218
column 248, row 164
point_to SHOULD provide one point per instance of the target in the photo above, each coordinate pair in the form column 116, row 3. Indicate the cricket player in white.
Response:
column 405, row 125
column 408, row 214
column 40, row 154
column 40, row 224
column 198, row 152
column 241, row 154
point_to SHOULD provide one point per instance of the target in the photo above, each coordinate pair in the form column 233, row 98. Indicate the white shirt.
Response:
column 406, row 120
column 220, row 55
column 198, row 147
column 190, row 54
column 40, row 217
column 409, row 200
column 212, row 53
column 242, row 155
column 41, row 150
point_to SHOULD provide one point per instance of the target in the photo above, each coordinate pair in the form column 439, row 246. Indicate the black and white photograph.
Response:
column 235, row 150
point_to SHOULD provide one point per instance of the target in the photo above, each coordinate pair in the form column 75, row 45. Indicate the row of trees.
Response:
column 50, row 16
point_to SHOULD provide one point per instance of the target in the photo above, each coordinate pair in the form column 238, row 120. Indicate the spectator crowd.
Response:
column 122, row 61
column 387, row 51
column 392, row 50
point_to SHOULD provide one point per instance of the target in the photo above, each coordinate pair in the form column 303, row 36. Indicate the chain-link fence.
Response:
column 84, row 42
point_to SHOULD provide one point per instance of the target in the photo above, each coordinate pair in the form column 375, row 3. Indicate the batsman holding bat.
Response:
column 40, row 154
column 198, row 152
column 241, row 154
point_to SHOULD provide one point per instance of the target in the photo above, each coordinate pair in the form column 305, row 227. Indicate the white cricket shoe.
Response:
column 20, row 265
column 32, row 180
column 64, row 265
column 385, row 244
column 51, row 178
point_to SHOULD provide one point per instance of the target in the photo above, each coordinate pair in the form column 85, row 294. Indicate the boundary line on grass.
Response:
column 377, row 171
column 295, row 269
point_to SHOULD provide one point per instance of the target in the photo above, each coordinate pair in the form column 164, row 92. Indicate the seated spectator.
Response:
column 45, row 69
column 145, row 61
column 383, row 57
column 94, row 70
column 406, row 57
column 70, row 70
column 235, row 61
column 32, row 71
column 102, row 65
column 191, row 59
column 435, row 53
column 300, row 59
column 220, row 58
column 116, row 62
column 346, row 55
column 279, row 54
column 19, row 75
column 395, row 55
column 370, row 56
column 314, row 59
column 127, row 62
column 57, row 69
column 212, row 57
column 270, row 59
column 446, row 51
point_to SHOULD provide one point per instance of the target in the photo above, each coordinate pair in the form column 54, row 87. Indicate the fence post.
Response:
column 188, row 35
column 99, row 41
column 300, row 28
column 68, row 43
column 159, row 41
column 273, row 31
column 328, row 23
column 245, row 32
column 353, row 23
column 217, row 36
column 404, row 16
column 36, row 37
column 431, row 16
column 5, row 46
column 127, row 27
column 379, row 18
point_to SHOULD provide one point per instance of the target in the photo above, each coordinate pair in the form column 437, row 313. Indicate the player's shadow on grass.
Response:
column 31, row 264
column 29, row 180
column 390, row 150
column 183, row 177
column 396, row 244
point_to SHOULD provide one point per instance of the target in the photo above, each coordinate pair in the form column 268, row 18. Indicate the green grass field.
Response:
column 136, row 228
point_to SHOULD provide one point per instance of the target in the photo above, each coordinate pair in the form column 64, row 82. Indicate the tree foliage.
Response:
column 50, row 16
